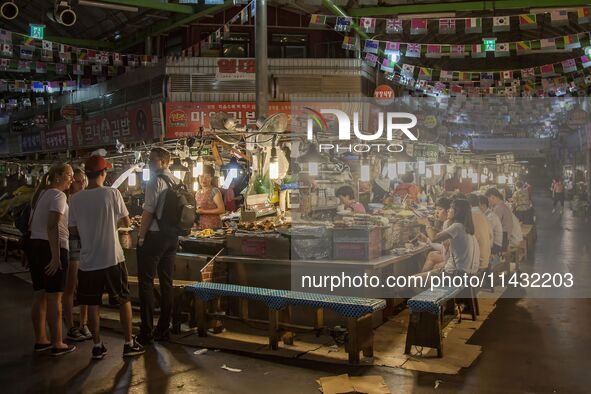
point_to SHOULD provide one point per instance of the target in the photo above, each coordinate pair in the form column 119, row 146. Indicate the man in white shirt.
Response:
column 496, row 226
column 94, row 216
column 495, row 198
column 482, row 230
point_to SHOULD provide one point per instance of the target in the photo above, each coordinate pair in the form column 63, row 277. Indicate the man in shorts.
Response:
column 95, row 214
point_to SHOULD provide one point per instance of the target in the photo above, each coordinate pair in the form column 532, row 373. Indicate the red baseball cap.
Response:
column 96, row 163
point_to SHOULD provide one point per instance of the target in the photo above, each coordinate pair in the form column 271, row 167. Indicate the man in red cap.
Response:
column 95, row 214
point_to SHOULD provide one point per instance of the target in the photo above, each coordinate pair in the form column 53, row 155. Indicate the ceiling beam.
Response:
column 174, row 22
column 80, row 42
column 155, row 5
column 463, row 7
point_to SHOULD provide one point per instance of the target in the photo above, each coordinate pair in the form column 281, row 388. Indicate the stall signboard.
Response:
column 31, row 142
column 229, row 69
column 56, row 139
column 133, row 124
column 459, row 159
column 426, row 152
column 185, row 119
column 69, row 111
column 505, row 158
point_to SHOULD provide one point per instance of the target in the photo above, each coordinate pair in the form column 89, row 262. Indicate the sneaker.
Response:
column 135, row 349
column 86, row 332
column 56, row 352
column 99, row 352
column 74, row 334
column 40, row 347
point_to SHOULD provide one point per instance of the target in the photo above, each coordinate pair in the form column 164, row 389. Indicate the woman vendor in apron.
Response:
column 210, row 204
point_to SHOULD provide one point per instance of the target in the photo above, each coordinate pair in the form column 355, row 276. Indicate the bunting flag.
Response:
column 408, row 70
column 559, row 17
column 371, row 46
column 6, row 50
column 502, row 50
column 26, row 52
column 61, row 69
column 388, row 65
column 527, row 73
column 5, row 36
column 253, row 9
column 425, row 73
column 588, row 79
column 226, row 31
column 371, row 59
column 103, row 58
column 393, row 26
column 69, row 85
column 24, row 66
column 343, row 24
column 418, row 26
column 583, row 15
column 82, row 57
column 349, row 42
column 29, row 41
column 507, row 75
column 458, row 51
column 91, row 55
column 392, row 48
column 547, row 69
column 586, row 60
column 523, row 47
column 47, row 55
column 317, row 20
column 40, row 68
column 37, row 87
column 528, row 22
column 433, row 51
column 368, row 25
column 548, row 44
column 65, row 57
column 473, row 25
column 572, row 42
column 244, row 16
column 413, row 50
column 446, row 76
column 447, row 26
column 117, row 60
column 569, row 66
column 461, row 76
column 4, row 63
column 97, row 69
column 478, row 51
column 501, row 23
column 47, row 45
column 78, row 69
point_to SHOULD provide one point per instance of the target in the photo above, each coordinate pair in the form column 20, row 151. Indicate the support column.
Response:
column 148, row 46
column 262, row 66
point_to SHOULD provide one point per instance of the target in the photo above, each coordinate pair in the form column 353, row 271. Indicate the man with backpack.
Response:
column 169, row 211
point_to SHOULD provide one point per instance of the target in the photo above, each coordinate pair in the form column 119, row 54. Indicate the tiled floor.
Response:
column 530, row 345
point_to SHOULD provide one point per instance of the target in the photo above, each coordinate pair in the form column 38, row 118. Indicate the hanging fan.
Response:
column 274, row 124
column 223, row 121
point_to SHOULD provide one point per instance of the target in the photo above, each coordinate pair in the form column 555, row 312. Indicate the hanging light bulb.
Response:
column 401, row 168
column 274, row 165
column 437, row 169
column 195, row 186
column 422, row 167
column 198, row 168
column 392, row 173
column 232, row 174
column 132, row 179
column 429, row 173
column 146, row 174
column 313, row 168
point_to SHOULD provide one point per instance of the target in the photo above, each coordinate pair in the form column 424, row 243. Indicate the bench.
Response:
column 358, row 311
column 7, row 238
column 430, row 312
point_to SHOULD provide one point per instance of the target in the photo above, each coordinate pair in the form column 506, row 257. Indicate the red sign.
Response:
column 69, row 112
column 56, row 139
column 384, row 92
column 185, row 119
column 232, row 69
column 134, row 124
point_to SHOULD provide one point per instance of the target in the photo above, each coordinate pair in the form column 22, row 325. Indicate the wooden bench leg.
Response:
column 319, row 320
column 353, row 341
column 274, row 329
column 287, row 336
column 243, row 306
column 201, row 317
column 216, row 325
column 365, row 334
column 424, row 329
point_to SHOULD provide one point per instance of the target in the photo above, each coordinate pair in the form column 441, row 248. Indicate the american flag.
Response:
column 559, row 17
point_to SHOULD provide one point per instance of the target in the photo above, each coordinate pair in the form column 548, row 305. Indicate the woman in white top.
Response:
column 464, row 254
column 47, row 254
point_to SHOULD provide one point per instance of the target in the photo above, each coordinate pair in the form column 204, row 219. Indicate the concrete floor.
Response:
column 530, row 346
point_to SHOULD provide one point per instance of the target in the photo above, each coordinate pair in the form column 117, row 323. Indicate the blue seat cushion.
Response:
column 431, row 300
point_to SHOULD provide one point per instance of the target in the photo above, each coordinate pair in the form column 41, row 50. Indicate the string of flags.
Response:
column 24, row 54
column 245, row 15
column 418, row 26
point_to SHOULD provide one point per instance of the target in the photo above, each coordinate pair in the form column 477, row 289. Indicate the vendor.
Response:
column 210, row 204
column 408, row 188
column 347, row 198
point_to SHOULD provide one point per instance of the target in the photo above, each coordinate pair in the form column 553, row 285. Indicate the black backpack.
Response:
column 178, row 212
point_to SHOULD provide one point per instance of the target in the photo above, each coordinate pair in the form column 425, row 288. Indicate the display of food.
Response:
column 266, row 225
column 208, row 233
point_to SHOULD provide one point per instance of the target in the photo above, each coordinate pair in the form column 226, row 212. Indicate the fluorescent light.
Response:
column 117, row 7
column 198, row 168
column 422, row 167
column 429, row 173
column 177, row 174
column 392, row 173
column 274, row 168
column 313, row 168
column 365, row 172
column 196, row 186
column 437, row 169
column 132, row 179
column 146, row 174
column 401, row 168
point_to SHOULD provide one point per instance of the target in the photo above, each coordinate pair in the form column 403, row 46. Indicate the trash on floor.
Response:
column 353, row 384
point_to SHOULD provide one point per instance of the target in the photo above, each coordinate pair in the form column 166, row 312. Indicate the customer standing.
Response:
column 495, row 199
column 156, row 251
column 495, row 224
column 558, row 194
column 522, row 206
column 94, row 216
column 82, row 332
column 210, row 204
column 47, row 254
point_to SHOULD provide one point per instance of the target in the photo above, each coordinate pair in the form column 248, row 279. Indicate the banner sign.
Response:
column 426, row 152
column 31, row 142
column 133, row 124
column 56, row 139
column 185, row 119
column 229, row 69
column 509, row 144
